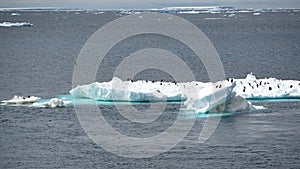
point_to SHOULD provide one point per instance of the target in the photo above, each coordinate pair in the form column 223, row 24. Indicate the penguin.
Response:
column 291, row 86
column 152, row 81
column 257, row 85
column 158, row 91
column 232, row 81
column 278, row 86
column 244, row 90
column 260, row 83
column 270, row 88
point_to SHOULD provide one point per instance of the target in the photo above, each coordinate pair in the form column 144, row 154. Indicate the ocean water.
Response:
column 39, row 61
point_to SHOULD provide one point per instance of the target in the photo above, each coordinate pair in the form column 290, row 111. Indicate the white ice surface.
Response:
column 52, row 103
column 15, row 14
column 21, row 100
column 198, row 96
column 250, row 87
column 15, row 24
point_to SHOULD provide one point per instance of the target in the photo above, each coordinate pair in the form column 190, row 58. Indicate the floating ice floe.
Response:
column 32, row 101
column 188, row 12
column 256, row 13
column 52, row 103
column 231, row 15
column 21, row 100
column 15, row 14
column 16, row 24
column 98, row 13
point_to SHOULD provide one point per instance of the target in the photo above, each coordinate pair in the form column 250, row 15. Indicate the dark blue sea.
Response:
column 39, row 60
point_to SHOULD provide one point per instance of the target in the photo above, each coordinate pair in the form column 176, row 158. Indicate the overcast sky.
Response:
column 133, row 4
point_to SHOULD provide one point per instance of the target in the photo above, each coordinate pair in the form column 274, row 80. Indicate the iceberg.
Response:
column 16, row 24
column 197, row 96
column 230, row 95
column 227, row 95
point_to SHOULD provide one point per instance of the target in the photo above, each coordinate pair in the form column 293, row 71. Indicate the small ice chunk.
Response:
column 52, row 103
column 231, row 15
column 21, row 100
column 15, row 14
column 16, row 24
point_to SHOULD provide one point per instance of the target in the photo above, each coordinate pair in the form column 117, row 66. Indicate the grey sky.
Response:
column 131, row 4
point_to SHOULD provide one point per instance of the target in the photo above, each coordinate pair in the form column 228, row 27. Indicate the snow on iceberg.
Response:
column 16, row 24
column 118, row 90
column 253, row 88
